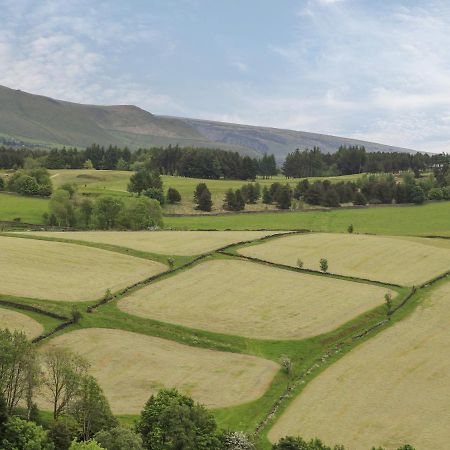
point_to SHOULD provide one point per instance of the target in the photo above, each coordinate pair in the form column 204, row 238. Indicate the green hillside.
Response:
column 28, row 119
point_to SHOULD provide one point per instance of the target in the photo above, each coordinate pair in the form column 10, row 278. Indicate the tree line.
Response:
column 355, row 159
column 82, row 417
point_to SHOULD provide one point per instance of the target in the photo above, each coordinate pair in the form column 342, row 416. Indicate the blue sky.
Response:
column 375, row 70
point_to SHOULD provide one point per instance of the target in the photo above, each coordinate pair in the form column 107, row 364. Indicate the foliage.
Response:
column 140, row 214
column 171, row 420
column 173, row 196
column 119, row 438
column 350, row 228
column 18, row 368
column 237, row 440
column 297, row 443
column 63, row 375
column 233, row 201
column 323, row 265
column 62, row 209
column 156, row 194
column 88, row 445
column 283, row 197
column 300, row 263
column 63, row 431
column 202, row 197
column 106, row 212
column 144, row 179
column 91, row 409
column 18, row 434
column 35, row 181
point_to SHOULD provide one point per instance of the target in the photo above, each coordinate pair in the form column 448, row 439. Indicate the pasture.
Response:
column 428, row 219
column 253, row 300
column 17, row 321
column 183, row 243
column 67, row 272
column 27, row 209
column 130, row 367
column 400, row 261
column 391, row 390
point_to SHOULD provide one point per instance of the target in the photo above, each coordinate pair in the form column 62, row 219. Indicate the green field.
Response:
column 28, row 209
column 429, row 219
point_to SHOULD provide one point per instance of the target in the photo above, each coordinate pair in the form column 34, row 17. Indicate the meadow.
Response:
column 183, row 243
column 391, row 390
column 379, row 258
column 66, row 272
column 20, row 322
column 252, row 300
column 218, row 319
column 130, row 367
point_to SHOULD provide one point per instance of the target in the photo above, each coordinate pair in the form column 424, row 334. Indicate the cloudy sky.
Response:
column 375, row 70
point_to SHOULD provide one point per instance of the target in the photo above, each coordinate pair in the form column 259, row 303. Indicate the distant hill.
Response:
column 28, row 119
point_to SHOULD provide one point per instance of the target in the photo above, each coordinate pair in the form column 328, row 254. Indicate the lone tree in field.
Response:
column 173, row 196
column 202, row 196
column 299, row 263
column 324, row 265
column 388, row 303
column 171, row 262
column 350, row 228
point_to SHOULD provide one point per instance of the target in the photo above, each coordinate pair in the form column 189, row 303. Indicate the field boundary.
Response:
column 337, row 348
column 311, row 271
column 34, row 309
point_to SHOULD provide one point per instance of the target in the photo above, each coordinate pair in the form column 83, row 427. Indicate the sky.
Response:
column 377, row 70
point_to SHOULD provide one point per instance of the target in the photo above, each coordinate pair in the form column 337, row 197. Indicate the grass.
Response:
column 400, row 396
column 27, row 209
column 130, row 367
column 14, row 320
column 429, row 219
column 181, row 243
column 305, row 353
column 251, row 300
column 115, row 183
column 392, row 260
column 59, row 271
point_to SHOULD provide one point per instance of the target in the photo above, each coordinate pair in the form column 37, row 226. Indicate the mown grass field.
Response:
column 387, row 259
column 252, row 300
column 130, row 367
column 225, row 308
column 184, row 243
column 391, row 390
column 17, row 321
column 66, row 272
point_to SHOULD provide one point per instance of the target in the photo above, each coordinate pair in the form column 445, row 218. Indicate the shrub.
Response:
column 417, row 195
column 323, row 265
column 202, row 196
column 173, row 196
column 299, row 263
column 350, row 228
column 156, row 194
column 360, row 199
column 435, row 194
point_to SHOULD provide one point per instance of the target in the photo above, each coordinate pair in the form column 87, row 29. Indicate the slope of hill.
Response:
column 42, row 121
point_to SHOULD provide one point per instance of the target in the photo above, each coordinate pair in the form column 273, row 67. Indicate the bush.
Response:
column 283, row 197
column 417, row 195
column 21, row 434
column 2, row 184
column 435, row 194
column 156, row 194
column 119, row 438
column 173, row 196
column 324, row 265
column 360, row 199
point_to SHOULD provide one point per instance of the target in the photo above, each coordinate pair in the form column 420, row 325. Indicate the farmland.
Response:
column 402, row 395
column 20, row 322
column 66, row 272
column 218, row 319
column 141, row 365
column 184, row 243
column 386, row 259
column 253, row 300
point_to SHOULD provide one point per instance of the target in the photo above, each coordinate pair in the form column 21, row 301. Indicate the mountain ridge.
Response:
column 41, row 121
